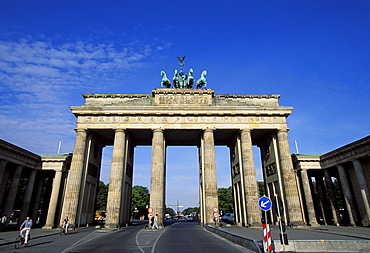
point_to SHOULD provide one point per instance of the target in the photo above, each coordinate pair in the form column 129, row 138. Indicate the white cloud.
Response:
column 40, row 80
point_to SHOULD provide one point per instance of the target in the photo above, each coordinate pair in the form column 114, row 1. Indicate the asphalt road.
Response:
column 54, row 243
column 179, row 237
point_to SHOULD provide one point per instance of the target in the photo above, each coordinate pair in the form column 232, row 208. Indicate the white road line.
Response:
column 137, row 241
column 155, row 243
column 77, row 243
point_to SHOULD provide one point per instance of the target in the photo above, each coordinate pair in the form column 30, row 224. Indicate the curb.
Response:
column 237, row 239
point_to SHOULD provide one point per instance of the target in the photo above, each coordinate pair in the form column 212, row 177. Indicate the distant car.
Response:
column 190, row 218
column 228, row 218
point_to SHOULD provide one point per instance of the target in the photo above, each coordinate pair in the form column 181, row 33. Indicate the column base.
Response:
column 254, row 225
column 298, row 224
column 314, row 224
column 112, row 226
column 48, row 226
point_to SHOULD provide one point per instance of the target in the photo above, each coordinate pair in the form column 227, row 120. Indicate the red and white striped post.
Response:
column 267, row 241
column 265, row 205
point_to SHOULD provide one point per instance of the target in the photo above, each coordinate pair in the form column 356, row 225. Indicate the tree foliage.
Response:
column 225, row 200
column 170, row 211
column 139, row 200
column 191, row 210
column 261, row 188
column 101, row 201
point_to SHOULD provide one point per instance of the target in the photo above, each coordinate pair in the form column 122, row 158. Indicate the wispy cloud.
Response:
column 39, row 80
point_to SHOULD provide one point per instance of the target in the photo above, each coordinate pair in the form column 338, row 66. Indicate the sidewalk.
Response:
column 303, row 239
column 305, row 233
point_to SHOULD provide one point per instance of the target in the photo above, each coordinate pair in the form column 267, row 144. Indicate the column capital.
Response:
column 339, row 165
column 208, row 130
column 283, row 130
column 355, row 160
column 119, row 130
column 80, row 130
column 158, row 130
column 246, row 130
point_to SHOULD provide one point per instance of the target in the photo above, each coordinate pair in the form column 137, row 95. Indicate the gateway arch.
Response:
column 181, row 117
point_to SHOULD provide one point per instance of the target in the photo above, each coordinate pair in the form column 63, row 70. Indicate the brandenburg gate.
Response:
column 181, row 116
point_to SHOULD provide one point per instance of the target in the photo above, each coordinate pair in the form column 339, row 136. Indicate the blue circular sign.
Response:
column 264, row 203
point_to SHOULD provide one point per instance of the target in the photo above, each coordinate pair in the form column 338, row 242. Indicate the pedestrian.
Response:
column 4, row 220
column 66, row 224
column 25, row 229
column 155, row 223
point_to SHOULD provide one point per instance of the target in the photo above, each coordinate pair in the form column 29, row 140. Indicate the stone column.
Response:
column 322, row 197
column 347, row 195
column 36, row 204
column 157, row 182
column 250, row 179
column 308, row 197
column 27, row 196
column 210, row 177
column 361, row 179
column 13, row 190
column 116, row 180
column 289, row 183
column 237, row 206
column 331, row 195
column 72, row 193
column 2, row 184
column 53, row 200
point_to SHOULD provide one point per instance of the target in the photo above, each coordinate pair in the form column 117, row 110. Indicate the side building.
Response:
column 32, row 185
column 334, row 187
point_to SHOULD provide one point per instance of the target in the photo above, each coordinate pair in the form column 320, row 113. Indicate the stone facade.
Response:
column 321, row 189
column 21, row 169
column 340, row 178
column 184, row 117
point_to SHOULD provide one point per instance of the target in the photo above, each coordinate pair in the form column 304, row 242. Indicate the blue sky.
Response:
column 314, row 53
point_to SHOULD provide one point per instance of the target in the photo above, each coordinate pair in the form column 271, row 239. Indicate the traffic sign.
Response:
column 215, row 210
column 150, row 209
column 150, row 215
column 264, row 203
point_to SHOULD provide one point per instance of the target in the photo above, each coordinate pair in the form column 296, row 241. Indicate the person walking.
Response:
column 65, row 225
column 4, row 220
column 25, row 229
column 155, row 223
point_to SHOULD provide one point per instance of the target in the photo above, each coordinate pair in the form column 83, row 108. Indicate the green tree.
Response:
column 139, row 200
column 170, row 211
column 261, row 188
column 101, row 200
column 191, row 210
column 225, row 200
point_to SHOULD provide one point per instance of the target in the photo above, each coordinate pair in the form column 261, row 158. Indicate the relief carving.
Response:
column 114, row 119
column 183, row 100
column 271, row 169
column 88, row 119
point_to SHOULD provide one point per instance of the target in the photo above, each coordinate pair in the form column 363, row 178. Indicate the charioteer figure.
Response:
column 182, row 81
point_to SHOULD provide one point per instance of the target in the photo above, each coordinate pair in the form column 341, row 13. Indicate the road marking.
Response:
column 137, row 241
column 79, row 242
column 155, row 243
column 86, row 239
